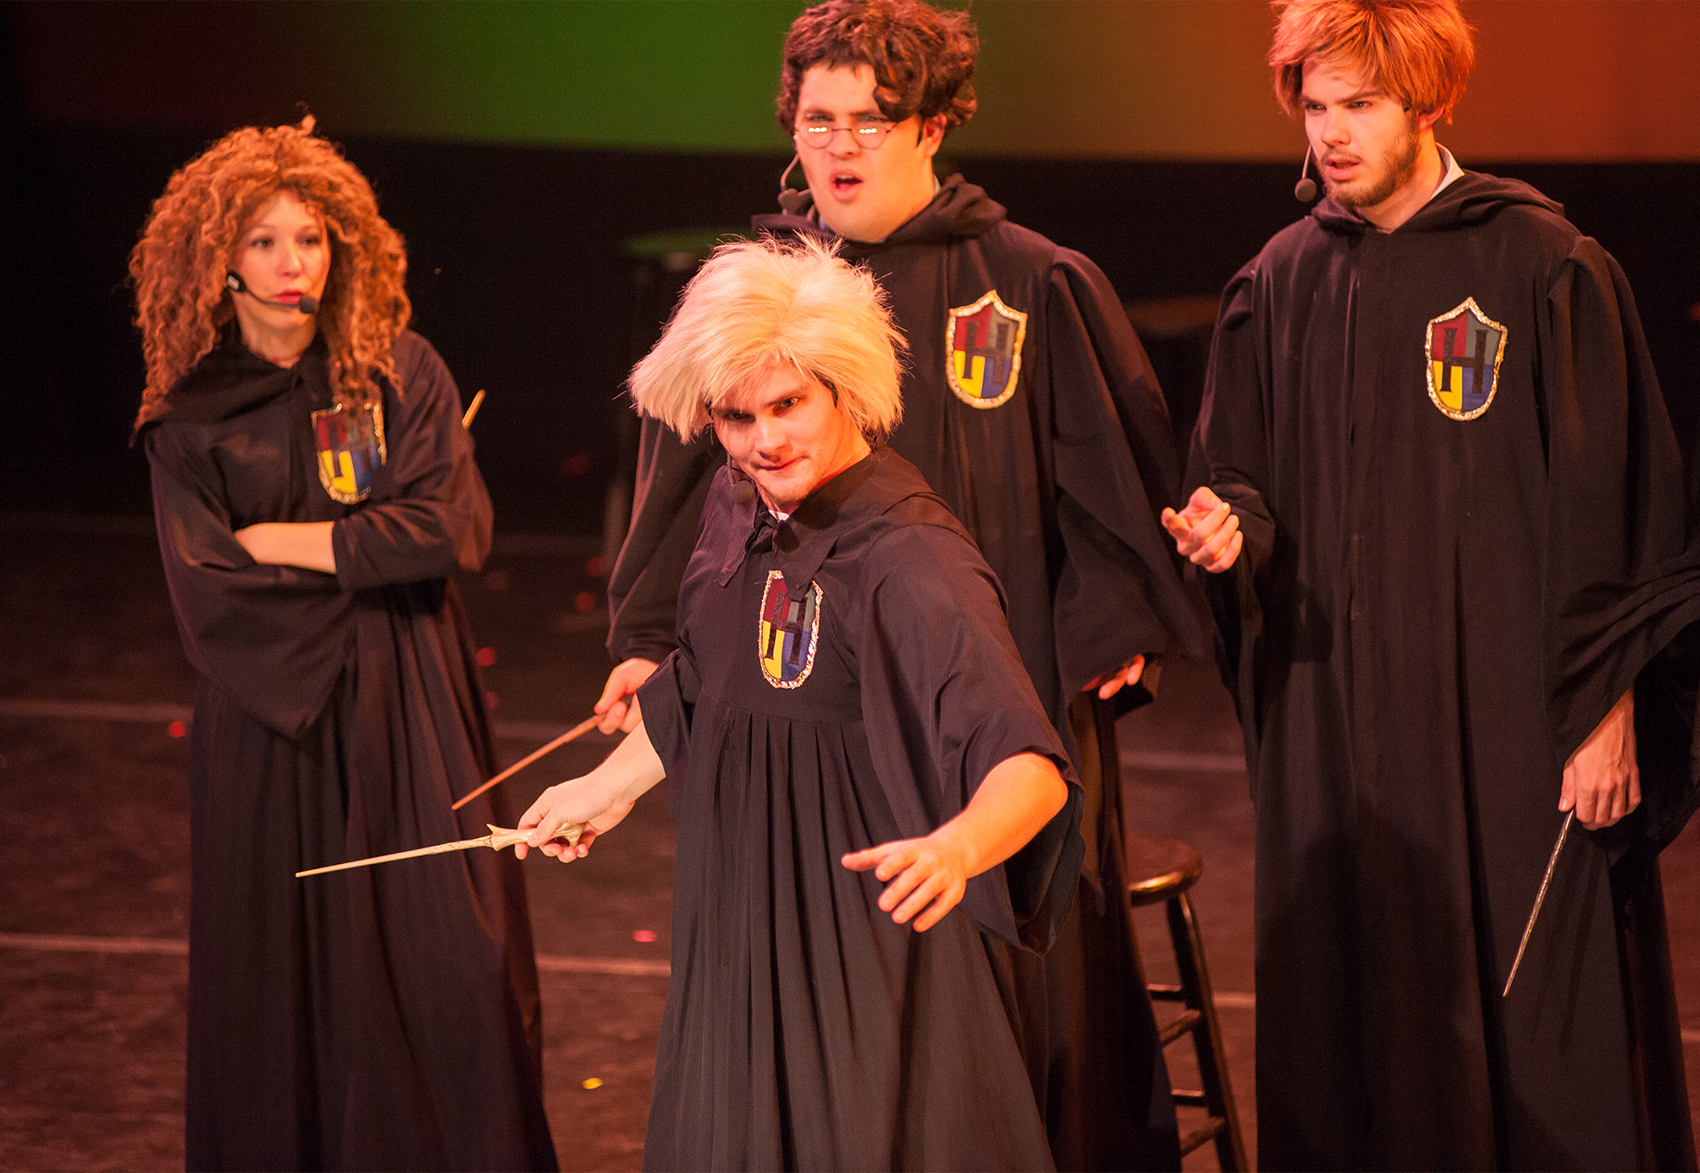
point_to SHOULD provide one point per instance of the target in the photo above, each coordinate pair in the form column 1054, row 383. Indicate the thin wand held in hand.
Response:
column 584, row 726
column 1528, row 929
column 498, row 838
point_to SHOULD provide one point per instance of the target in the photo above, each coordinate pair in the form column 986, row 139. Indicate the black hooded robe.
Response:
column 1060, row 485
column 844, row 678
column 1464, row 521
column 381, row 1018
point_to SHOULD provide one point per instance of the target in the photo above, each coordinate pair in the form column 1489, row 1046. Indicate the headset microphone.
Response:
column 743, row 488
column 307, row 304
column 1305, row 189
column 789, row 197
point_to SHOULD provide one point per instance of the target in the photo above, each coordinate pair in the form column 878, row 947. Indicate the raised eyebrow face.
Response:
column 736, row 413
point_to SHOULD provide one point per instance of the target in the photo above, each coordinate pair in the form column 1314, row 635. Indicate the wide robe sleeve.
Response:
column 944, row 700
column 429, row 512
column 1120, row 592
column 1623, row 569
column 1230, row 453
column 277, row 637
column 668, row 700
column 643, row 591
column 274, row 637
column 1621, row 582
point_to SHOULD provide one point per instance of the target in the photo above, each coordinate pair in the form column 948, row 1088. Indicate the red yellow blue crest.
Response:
column 788, row 629
column 984, row 344
column 1464, row 347
column 350, row 445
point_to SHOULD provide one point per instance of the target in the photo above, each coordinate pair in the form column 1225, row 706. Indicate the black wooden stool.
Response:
column 1162, row 870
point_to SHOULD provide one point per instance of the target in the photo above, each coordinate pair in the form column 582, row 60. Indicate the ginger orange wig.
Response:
column 178, row 267
column 1418, row 51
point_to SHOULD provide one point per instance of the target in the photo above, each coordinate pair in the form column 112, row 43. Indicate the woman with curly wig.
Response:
column 314, row 490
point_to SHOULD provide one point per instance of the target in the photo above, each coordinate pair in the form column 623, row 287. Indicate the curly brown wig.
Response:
column 178, row 267
column 922, row 57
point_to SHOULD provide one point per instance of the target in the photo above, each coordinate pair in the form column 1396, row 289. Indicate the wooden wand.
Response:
column 582, row 727
column 1534, row 912
column 498, row 838
column 472, row 412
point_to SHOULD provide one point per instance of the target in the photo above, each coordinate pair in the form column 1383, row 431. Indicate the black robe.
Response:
column 844, row 679
column 1464, row 524
column 1061, row 485
column 378, row 1018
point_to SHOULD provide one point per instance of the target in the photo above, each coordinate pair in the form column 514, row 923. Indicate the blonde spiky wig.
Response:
column 755, row 305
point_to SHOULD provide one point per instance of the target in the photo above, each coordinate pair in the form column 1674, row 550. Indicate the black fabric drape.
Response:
column 1429, row 615
column 373, row 1019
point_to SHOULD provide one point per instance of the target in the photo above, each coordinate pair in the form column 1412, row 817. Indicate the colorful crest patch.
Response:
column 351, row 449
column 984, row 351
column 789, row 629
column 1464, row 347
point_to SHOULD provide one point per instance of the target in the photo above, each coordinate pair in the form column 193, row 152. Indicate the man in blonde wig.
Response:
column 1032, row 411
column 1442, row 508
column 759, row 307
column 852, row 749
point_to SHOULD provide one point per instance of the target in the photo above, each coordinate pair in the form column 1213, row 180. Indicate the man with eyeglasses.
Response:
column 1031, row 409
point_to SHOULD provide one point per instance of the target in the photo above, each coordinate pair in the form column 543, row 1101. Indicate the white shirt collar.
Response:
column 1453, row 172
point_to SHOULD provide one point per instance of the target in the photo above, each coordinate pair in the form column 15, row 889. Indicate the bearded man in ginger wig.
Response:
column 1442, row 512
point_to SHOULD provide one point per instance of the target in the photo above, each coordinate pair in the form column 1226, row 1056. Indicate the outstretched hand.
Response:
column 618, row 706
column 1206, row 532
column 925, row 878
column 579, row 800
column 597, row 801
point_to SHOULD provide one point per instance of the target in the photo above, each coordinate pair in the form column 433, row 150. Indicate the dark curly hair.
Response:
column 178, row 266
column 922, row 57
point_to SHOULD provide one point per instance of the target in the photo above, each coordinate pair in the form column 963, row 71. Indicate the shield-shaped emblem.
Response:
column 984, row 341
column 351, row 449
column 788, row 630
column 1464, row 347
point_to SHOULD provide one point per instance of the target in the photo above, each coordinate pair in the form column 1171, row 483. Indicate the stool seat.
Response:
column 1160, row 867
column 1159, row 871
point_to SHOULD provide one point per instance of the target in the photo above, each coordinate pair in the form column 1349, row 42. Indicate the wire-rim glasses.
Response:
column 867, row 133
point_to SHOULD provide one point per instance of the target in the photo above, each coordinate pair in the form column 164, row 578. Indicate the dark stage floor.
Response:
column 93, row 899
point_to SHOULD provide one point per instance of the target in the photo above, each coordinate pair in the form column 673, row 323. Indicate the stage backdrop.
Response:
column 522, row 149
column 1563, row 80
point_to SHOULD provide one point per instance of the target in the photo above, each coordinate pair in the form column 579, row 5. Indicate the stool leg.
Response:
column 1212, row 1062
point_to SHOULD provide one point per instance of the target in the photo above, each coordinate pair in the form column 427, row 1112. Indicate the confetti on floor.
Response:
column 644, row 935
column 591, row 1084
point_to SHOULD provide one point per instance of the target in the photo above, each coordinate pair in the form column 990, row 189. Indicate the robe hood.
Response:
column 1470, row 200
column 959, row 210
column 230, row 380
column 853, row 498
